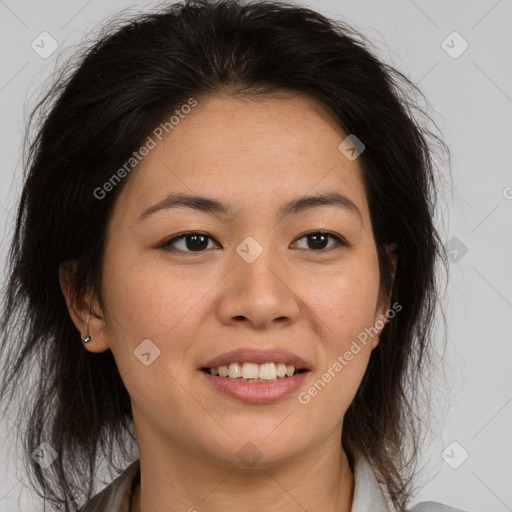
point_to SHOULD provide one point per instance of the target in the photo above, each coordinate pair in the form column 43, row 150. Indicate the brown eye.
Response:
column 318, row 241
column 187, row 242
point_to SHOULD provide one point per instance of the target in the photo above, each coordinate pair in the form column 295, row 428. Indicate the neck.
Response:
column 175, row 480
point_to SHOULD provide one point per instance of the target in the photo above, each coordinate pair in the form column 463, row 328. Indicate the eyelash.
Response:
column 166, row 246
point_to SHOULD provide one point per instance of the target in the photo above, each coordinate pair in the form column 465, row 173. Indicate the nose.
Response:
column 259, row 293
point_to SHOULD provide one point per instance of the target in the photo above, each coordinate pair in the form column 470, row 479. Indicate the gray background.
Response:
column 471, row 101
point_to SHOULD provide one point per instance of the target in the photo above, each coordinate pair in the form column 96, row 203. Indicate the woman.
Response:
column 231, row 206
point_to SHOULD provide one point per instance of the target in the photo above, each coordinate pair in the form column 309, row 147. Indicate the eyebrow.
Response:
column 213, row 206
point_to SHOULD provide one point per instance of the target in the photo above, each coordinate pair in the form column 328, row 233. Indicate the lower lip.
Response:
column 257, row 392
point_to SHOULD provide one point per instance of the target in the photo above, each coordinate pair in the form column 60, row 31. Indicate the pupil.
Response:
column 318, row 244
column 196, row 246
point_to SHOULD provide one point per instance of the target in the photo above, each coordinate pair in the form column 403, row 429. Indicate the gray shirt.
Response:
column 368, row 494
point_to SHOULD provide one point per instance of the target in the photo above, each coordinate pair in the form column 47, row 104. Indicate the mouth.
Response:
column 256, row 375
column 253, row 383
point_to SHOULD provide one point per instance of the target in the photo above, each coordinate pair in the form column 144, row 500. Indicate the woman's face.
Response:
column 254, row 280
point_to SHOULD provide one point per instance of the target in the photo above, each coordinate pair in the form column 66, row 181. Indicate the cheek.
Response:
column 146, row 297
column 345, row 301
column 146, row 302
column 149, row 299
column 137, row 303
column 347, row 313
column 345, row 305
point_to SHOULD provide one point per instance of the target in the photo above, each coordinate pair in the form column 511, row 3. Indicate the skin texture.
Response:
column 254, row 154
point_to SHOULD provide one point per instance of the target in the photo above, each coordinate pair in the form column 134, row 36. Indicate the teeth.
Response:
column 267, row 371
column 234, row 371
column 250, row 371
column 254, row 372
column 281, row 370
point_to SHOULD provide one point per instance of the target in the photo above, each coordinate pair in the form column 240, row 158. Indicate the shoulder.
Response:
column 370, row 495
column 116, row 496
column 430, row 506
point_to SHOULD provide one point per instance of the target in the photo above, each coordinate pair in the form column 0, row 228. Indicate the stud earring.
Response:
column 87, row 339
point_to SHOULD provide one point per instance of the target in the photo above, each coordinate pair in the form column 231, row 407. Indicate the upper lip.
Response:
column 258, row 356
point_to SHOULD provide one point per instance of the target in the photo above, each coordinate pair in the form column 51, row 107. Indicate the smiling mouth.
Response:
column 252, row 372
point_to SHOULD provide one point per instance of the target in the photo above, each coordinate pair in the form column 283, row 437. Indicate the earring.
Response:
column 87, row 339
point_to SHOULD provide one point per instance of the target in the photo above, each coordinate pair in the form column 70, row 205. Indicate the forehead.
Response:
column 241, row 149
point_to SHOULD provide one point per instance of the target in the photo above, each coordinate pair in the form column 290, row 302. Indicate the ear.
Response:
column 83, row 310
column 384, row 306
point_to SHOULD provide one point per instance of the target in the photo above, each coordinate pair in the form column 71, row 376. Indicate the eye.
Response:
column 317, row 240
column 190, row 242
column 198, row 242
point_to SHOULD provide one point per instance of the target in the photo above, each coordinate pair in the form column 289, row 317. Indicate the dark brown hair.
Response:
column 100, row 111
